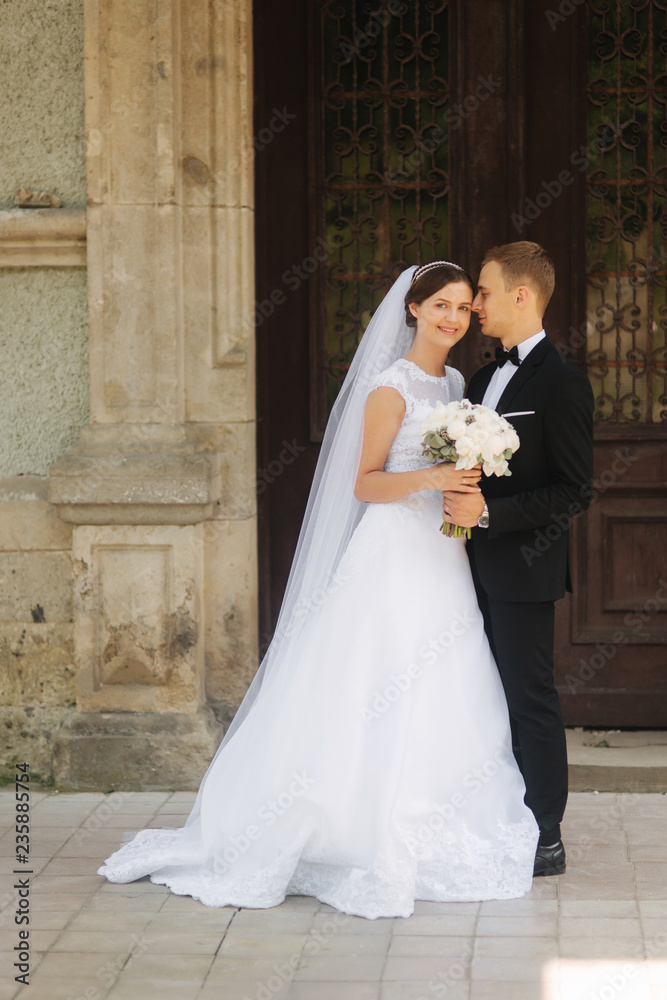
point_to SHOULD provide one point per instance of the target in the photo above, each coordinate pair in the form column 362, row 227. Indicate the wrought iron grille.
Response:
column 380, row 178
column 627, row 217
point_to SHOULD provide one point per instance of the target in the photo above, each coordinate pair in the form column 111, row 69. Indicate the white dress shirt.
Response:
column 502, row 376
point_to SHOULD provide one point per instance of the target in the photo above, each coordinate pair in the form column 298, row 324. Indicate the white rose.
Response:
column 456, row 429
column 469, row 462
column 434, row 420
column 492, row 446
column 484, row 417
column 456, row 408
column 466, row 445
column 495, row 468
column 478, row 434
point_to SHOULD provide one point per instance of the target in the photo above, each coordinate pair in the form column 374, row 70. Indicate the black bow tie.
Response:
column 512, row 355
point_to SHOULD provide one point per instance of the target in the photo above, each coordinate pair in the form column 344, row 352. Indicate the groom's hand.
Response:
column 462, row 508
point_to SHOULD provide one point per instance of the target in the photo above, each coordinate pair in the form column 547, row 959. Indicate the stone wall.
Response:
column 128, row 584
column 43, row 320
column 36, row 631
column 41, row 99
column 44, row 371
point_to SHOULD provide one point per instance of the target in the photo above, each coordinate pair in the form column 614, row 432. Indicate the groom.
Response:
column 550, row 404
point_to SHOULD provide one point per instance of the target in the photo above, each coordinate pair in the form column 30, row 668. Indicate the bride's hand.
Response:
column 445, row 476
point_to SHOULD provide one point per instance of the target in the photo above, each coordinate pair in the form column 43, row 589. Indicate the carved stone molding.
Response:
column 135, row 474
column 43, row 237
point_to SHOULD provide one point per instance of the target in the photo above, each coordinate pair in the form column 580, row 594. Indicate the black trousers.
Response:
column 522, row 641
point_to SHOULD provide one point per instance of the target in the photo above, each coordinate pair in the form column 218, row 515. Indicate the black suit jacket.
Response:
column 524, row 553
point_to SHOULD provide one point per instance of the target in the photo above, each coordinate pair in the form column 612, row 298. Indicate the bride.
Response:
column 370, row 763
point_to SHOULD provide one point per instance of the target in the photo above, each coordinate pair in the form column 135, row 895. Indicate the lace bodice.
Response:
column 421, row 392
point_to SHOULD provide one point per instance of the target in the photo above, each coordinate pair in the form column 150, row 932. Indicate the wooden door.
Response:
column 437, row 130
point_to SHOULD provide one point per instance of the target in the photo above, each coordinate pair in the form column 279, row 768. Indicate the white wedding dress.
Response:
column 385, row 773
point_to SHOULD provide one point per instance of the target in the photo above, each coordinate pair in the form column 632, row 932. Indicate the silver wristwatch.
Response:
column 483, row 519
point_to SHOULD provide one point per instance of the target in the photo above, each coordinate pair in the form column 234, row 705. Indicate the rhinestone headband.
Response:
column 435, row 263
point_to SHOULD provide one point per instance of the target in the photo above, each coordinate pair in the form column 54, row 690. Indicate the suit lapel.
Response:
column 480, row 383
column 526, row 370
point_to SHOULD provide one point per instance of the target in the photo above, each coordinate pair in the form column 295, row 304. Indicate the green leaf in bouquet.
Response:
column 438, row 441
column 508, row 453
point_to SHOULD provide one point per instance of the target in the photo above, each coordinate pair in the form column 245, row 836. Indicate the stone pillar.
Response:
column 160, row 487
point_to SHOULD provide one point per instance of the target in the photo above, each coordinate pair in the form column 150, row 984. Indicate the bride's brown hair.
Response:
column 429, row 279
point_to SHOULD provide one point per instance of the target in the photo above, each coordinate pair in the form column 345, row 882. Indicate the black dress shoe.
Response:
column 549, row 860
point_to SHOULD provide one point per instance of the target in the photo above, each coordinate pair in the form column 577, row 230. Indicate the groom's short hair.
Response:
column 525, row 263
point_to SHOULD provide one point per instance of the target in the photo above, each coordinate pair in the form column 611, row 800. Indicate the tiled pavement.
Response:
column 599, row 932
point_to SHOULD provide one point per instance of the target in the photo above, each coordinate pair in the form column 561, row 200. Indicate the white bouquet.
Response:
column 469, row 434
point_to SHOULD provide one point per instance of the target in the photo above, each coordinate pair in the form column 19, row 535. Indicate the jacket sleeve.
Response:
column 568, row 442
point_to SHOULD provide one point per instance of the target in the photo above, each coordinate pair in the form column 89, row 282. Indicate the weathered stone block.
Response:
column 26, row 735
column 133, row 318
column 219, row 315
column 37, row 665
column 231, row 447
column 133, row 752
column 35, row 586
column 28, row 523
column 231, row 612
column 138, row 635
